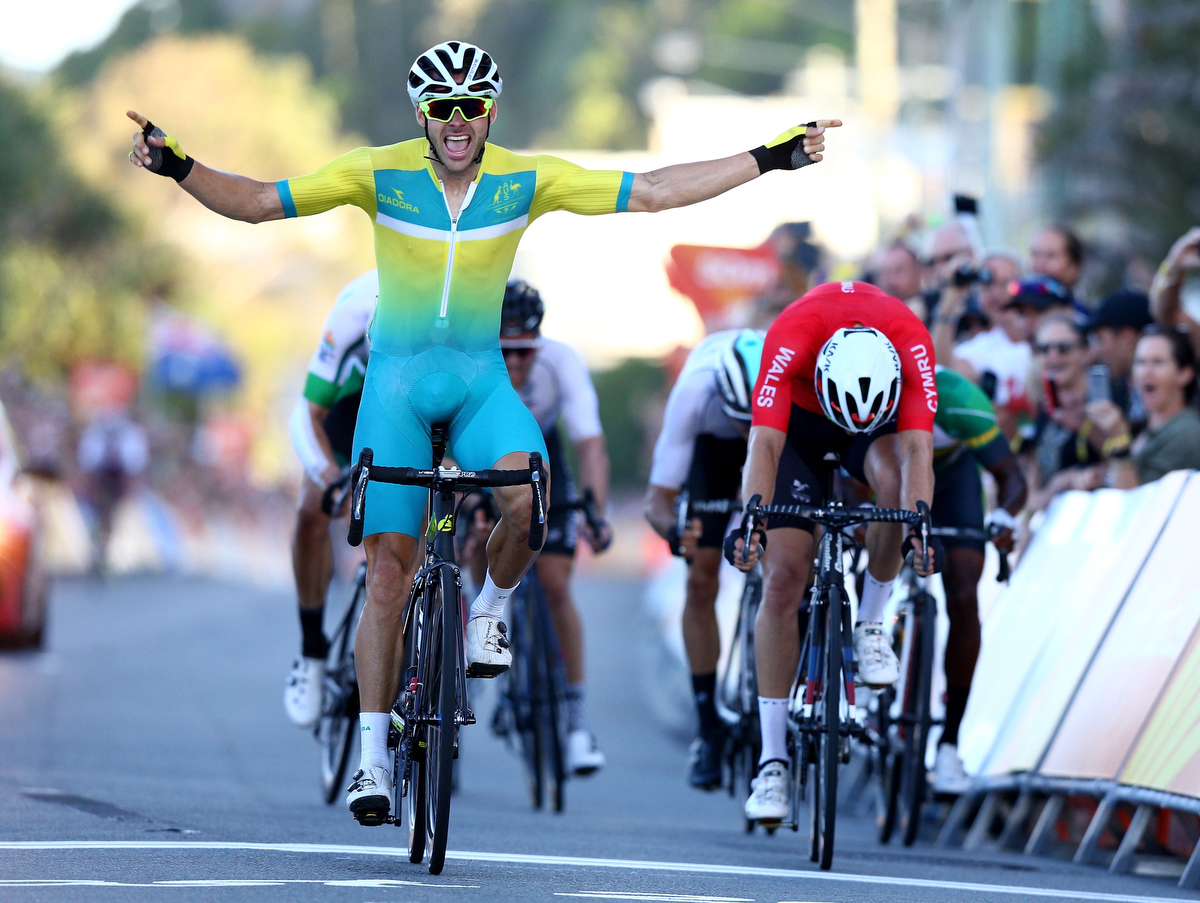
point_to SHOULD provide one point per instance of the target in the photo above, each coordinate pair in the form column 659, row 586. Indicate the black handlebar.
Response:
column 447, row 479
column 1004, row 571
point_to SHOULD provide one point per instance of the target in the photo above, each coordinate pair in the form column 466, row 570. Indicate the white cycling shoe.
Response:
column 487, row 647
column 949, row 776
column 770, row 799
column 877, row 662
column 369, row 798
column 583, row 754
column 304, row 691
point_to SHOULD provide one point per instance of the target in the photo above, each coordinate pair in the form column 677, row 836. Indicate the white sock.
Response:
column 874, row 599
column 491, row 599
column 373, row 734
column 772, row 716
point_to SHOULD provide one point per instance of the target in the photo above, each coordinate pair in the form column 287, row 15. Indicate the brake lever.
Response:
column 748, row 525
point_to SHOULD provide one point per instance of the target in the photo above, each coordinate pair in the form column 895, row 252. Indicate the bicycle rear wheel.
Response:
column 914, row 779
column 336, row 730
column 442, row 733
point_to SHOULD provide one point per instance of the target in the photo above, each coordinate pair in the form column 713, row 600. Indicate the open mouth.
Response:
column 457, row 146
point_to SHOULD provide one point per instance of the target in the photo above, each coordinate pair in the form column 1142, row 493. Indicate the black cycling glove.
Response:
column 168, row 160
column 731, row 553
column 784, row 152
column 937, row 552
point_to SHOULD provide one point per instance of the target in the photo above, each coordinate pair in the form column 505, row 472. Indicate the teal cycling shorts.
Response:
column 404, row 396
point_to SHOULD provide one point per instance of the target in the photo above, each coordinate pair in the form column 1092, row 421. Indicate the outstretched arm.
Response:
column 690, row 183
column 226, row 193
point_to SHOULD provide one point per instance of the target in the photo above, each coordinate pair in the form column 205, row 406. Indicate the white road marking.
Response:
column 699, row 868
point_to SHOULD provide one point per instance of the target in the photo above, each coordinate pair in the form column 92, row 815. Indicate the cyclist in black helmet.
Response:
column 553, row 381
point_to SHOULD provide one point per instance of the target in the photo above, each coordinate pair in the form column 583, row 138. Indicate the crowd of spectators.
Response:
column 1090, row 392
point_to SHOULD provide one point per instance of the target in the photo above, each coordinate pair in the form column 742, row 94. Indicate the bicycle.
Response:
column 823, row 694
column 432, row 703
column 533, row 696
column 904, row 718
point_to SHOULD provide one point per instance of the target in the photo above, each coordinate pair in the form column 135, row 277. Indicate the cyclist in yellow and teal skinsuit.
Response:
column 448, row 212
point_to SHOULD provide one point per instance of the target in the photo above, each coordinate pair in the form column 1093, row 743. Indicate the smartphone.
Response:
column 1099, row 383
column 1051, row 394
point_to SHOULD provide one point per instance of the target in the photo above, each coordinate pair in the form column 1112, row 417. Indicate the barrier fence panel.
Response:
column 1016, row 629
column 1136, row 657
column 1167, row 754
column 1120, row 531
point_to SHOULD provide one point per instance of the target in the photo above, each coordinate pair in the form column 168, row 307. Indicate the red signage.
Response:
column 719, row 281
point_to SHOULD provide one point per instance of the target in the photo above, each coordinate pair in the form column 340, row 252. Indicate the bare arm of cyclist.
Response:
column 916, row 477
column 758, row 476
column 1011, row 492
column 226, row 193
column 659, row 511
column 593, row 475
column 690, row 183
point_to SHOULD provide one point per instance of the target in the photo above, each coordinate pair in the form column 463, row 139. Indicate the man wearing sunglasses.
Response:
column 448, row 210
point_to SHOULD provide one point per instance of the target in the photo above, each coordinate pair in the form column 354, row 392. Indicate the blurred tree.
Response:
column 1122, row 148
column 630, row 416
column 72, row 270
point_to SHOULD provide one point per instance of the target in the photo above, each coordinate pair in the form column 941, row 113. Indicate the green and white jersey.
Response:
column 965, row 422
column 339, row 365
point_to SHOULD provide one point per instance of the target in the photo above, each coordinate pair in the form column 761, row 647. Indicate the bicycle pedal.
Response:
column 476, row 669
column 371, row 815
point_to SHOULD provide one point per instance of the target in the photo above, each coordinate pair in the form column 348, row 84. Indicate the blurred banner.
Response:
column 187, row 358
column 1090, row 666
column 98, row 387
column 721, row 281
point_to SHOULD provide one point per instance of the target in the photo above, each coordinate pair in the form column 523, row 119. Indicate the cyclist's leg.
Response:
column 799, row 480
column 312, row 566
column 958, row 502
column 389, row 425
column 495, row 429
column 874, row 459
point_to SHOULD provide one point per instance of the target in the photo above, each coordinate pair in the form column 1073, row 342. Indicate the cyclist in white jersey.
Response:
column 553, row 382
column 322, row 431
column 701, row 449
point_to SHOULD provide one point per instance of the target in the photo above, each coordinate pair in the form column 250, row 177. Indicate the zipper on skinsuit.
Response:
column 453, row 241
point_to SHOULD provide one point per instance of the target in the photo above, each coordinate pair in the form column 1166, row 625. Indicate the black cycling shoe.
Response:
column 704, row 765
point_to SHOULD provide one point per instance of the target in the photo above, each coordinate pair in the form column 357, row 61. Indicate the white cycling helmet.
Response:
column 432, row 75
column 858, row 379
column 737, row 372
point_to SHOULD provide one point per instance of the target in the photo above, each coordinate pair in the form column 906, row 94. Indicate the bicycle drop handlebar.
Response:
column 835, row 517
column 447, row 479
column 1003, row 572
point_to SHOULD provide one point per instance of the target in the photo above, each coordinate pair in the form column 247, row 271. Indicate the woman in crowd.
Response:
column 1060, row 449
column 1164, row 373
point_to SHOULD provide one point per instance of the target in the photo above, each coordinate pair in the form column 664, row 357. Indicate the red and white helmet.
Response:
column 858, row 379
column 432, row 75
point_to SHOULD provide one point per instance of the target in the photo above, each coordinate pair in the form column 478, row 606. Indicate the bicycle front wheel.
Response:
column 442, row 733
column 553, row 691
column 829, row 740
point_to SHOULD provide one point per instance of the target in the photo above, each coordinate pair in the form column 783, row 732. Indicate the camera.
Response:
column 968, row 275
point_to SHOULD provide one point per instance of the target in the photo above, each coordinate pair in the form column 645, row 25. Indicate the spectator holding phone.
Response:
column 1164, row 374
column 1061, row 448
column 1114, row 331
column 1175, row 293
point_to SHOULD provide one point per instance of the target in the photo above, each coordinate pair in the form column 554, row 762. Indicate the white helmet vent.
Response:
column 433, row 73
column 862, row 358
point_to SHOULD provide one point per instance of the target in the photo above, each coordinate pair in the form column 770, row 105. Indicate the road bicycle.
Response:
column 432, row 702
column 904, row 719
column 822, row 701
column 531, row 709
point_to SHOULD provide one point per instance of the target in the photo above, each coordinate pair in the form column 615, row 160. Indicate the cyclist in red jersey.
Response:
column 845, row 369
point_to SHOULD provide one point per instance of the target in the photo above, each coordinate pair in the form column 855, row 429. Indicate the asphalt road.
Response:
column 146, row 756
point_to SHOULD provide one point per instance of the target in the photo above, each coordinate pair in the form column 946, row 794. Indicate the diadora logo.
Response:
column 507, row 196
column 928, row 383
column 397, row 201
column 766, row 395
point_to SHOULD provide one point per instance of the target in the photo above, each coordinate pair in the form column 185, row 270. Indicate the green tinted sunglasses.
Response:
column 470, row 108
